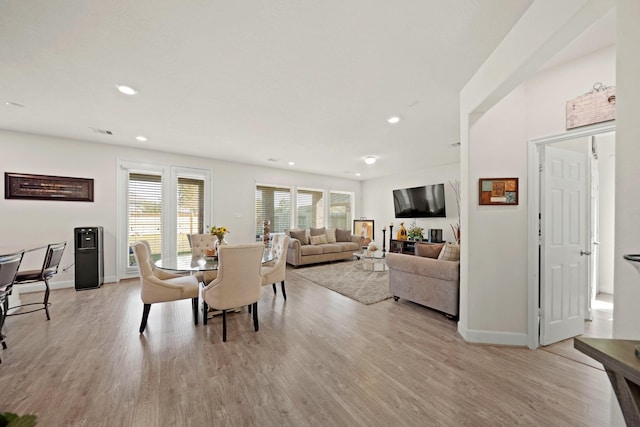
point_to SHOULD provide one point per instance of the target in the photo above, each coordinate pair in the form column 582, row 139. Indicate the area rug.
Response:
column 349, row 279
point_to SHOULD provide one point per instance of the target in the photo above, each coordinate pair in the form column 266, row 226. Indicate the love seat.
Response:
column 315, row 245
column 429, row 281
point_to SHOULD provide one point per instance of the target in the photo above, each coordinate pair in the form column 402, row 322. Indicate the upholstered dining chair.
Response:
column 157, row 285
column 9, row 265
column 271, row 274
column 52, row 259
column 238, row 282
column 200, row 243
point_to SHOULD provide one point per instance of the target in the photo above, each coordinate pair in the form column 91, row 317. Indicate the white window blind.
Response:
column 340, row 208
column 274, row 204
column 145, row 212
column 190, row 215
column 310, row 208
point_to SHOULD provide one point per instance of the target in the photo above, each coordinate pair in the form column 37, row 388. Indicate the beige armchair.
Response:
column 199, row 244
column 275, row 272
column 238, row 282
column 157, row 285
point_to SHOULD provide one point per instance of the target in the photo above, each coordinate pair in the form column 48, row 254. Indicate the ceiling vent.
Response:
column 102, row 131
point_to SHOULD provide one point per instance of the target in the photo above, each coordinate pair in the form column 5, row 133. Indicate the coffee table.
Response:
column 372, row 260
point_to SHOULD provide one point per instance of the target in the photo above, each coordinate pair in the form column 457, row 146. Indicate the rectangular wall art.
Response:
column 364, row 228
column 498, row 191
column 44, row 187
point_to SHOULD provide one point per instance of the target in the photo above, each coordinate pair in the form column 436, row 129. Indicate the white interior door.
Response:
column 563, row 275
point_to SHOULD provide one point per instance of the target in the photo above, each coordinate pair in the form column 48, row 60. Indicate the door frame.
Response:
column 533, row 190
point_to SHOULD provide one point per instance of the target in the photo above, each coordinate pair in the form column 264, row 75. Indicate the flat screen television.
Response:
column 420, row 202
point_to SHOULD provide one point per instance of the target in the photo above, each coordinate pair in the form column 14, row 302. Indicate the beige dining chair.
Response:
column 52, row 259
column 157, row 285
column 200, row 243
column 276, row 271
column 238, row 282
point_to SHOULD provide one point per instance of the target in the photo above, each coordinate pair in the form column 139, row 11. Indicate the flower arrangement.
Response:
column 415, row 232
column 219, row 231
column 373, row 247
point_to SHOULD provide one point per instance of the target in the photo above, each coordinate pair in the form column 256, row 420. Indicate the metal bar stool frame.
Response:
column 9, row 265
column 50, row 265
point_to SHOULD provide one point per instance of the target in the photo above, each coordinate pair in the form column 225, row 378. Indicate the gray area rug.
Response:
column 349, row 279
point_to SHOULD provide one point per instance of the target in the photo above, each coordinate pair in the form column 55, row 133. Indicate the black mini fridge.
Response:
column 89, row 257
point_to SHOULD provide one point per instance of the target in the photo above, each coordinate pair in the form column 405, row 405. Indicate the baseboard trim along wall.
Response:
column 39, row 286
column 494, row 337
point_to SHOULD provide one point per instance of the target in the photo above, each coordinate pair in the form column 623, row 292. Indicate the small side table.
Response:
column 623, row 368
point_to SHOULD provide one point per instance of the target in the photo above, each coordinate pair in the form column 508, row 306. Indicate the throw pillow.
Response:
column 331, row 235
column 318, row 240
column 317, row 231
column 450, row 252
column 300, row 235
column 429, row 250
column 343, row 235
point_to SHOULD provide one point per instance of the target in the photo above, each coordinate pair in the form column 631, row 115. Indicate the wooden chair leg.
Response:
column 284, row 293
column 274, row 288
column 194, row 307
column 255, row 316
column 46, row 298
column 249, row 307
column 224, row 325
column 145, row 315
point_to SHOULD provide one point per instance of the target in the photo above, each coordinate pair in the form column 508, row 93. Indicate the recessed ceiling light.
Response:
column 127, row 90
column 393, row 119
column 358, row 174
column 13, row 104
column 370, row 160
column 141, row 138
column 292, row 163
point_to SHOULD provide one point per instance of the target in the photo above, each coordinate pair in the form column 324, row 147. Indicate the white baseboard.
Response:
column 493, row 337
column 39, row 286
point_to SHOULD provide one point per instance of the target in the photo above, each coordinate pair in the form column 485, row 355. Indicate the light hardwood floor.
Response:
column 318, row 359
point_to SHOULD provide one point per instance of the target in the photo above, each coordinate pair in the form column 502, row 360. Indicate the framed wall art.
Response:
column 364, row 228
column 45, row 187
column 498, row 191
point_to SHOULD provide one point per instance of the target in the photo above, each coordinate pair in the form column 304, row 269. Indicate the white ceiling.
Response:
column 304, row 81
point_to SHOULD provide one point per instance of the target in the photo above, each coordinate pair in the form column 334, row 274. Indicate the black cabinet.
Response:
column 89, row 257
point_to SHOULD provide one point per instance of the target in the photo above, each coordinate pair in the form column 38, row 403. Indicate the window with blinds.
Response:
column 310, row 208
column 274, row 204
column 145, row 212
column 340, row 208
column 190, row 215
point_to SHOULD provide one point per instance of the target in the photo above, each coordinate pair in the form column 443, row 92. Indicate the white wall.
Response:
column 377, row 195
column 626, row 322
column 606, row 208
column 494, row 283
column 28, row 223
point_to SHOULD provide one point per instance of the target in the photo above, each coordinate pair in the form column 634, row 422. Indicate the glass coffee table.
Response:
column 372, row 260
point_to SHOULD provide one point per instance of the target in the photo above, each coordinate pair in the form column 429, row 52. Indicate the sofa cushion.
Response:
column 348, row 246
column 429, row 250
column 319, row 239
column 300, row 235
column 327, row 249
column 331, row 235
column 317, row 231
column 450, row 252
column 311, row 250
column 343, row 235
column 422, row 266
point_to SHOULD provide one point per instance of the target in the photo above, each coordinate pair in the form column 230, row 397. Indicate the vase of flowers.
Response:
column 219, row 232
column 415, row 232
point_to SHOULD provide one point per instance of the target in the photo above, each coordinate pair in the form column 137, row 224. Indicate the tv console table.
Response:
column 405, row 246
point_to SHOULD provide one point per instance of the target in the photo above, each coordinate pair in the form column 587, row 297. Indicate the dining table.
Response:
column 188, row 263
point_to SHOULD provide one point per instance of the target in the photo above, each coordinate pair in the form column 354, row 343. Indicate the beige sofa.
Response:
column 434, row 283
column 315, row 245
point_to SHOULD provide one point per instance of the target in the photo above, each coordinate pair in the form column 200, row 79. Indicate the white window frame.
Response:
column 169, row 176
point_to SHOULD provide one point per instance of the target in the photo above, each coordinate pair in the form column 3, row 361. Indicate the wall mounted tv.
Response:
column 420, row 202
